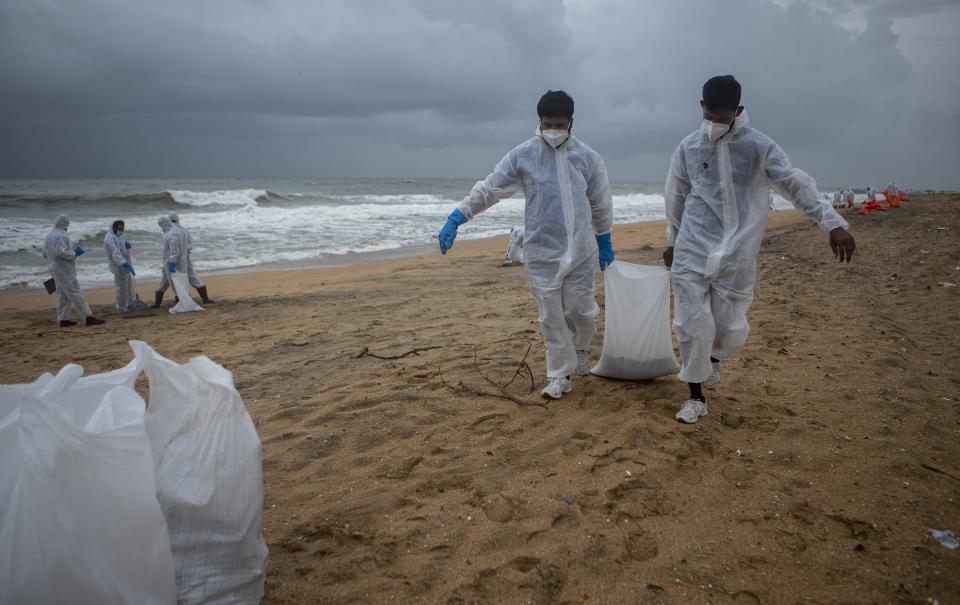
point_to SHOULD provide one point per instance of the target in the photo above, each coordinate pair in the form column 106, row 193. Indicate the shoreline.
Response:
column 483, row 245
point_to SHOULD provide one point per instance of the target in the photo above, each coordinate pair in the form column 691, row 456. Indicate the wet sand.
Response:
column 397, row 471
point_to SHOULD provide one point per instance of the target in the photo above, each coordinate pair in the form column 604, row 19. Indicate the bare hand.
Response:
column 842, row 244
column 668, row 256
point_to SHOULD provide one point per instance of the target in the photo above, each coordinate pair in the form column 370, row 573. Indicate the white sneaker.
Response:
column 713, row 380
column 556, row 387
column 582, row 369
column 691, row 411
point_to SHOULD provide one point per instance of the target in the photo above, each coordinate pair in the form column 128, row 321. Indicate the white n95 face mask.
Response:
column 714, row 130
column 555, row 138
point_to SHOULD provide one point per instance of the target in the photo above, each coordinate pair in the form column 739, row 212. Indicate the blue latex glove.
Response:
column 129, row 268
column 606, row 250
column 171, row 267
column 78, row 250
column 449, row 231
column 127, row 245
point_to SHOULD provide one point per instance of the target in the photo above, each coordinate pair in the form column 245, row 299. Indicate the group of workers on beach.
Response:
column 61, row 257
column 717, row 197
column 892, row 198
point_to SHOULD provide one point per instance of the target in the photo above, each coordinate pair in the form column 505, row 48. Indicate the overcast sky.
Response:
column 857, row 92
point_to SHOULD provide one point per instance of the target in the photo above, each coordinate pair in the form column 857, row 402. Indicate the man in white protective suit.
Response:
column 567, row 220
column 61, row 257
column 120, row 264
column 717, row 198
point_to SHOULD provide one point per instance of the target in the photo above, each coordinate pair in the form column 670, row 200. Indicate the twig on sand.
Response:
column 501, row 395
column 365, row 352
column 520, row 366
column 479, row 371
column 501, row 388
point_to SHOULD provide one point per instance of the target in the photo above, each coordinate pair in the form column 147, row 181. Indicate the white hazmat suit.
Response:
column 117, row 255
column 568, row 202
column 717, row 199
column 61, row 262
column 184, row 247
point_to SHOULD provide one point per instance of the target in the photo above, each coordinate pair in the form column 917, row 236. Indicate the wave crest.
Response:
column 224, row 197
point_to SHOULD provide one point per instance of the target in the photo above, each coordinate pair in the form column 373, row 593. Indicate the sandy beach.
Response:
column 397, row 471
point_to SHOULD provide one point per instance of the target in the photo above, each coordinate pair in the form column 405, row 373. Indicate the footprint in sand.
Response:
column 738, row 474
column 498, row 508
column 560, row 522
column 488, row 423
column 792, row 543
column 641, row 546
column 654, row 595
column 745, row 597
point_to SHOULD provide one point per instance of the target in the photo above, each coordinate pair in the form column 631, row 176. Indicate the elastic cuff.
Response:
column 458, row 217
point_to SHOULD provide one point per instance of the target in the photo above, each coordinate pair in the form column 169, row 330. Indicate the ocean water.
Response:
column 246, row 223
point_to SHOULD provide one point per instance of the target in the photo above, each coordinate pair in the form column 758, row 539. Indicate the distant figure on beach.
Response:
column 121, row 265
column 837, row 199
column 717, row 192
column 179, row 245
column 567, row 222
column 61, row 259
column 850, row 197
column 515, row 247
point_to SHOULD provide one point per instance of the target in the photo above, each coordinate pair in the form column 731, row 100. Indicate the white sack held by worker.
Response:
column 636, row 335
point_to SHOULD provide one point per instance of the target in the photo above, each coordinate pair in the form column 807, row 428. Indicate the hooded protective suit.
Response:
column 61, row 262
column 171, row 251
column 117, row 255
column 568, row 202
column 717, row 199
column 183, row 247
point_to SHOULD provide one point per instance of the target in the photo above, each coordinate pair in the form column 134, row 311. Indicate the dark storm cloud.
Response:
column 108, row 88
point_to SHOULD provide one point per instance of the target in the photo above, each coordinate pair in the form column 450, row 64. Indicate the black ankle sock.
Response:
column 696, row 391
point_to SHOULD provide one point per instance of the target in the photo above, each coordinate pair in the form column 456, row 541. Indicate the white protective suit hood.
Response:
column 165, row 224
column 61, row 222
column 174, row 217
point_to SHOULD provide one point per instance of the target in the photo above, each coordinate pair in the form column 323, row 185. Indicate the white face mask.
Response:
column 120, row 233
column 714, row 130
column 554, row 138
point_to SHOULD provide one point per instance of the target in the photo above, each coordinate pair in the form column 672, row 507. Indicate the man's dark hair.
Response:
column 555, row 104
column 115, row 224
column 721, row 93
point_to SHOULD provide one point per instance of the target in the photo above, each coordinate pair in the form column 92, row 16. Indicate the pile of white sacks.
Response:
column 105, row 498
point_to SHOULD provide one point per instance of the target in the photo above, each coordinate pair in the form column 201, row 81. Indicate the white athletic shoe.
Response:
column 713, row 380
column 556, row 387
column 582, row 369
column 691, row 411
